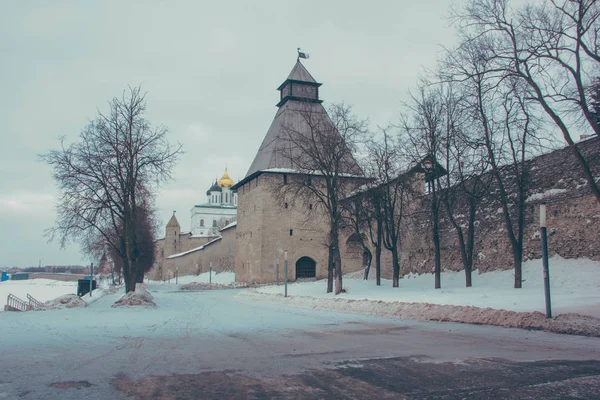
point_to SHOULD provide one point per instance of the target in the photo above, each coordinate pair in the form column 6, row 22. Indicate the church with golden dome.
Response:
column 212, row 224
column 219, row 210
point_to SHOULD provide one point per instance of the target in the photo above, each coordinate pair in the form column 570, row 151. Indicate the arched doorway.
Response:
column 306, row 267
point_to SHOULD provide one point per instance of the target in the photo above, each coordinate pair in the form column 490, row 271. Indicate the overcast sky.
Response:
column 210, row 69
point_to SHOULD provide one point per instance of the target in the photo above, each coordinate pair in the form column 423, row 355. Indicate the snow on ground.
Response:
column 41, row 289
column 575, row 288
column 222, row 278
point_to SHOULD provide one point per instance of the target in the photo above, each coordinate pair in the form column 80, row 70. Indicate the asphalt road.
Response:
column 212, row 345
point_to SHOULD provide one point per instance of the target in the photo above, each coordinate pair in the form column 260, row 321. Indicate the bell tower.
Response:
column 300, row 86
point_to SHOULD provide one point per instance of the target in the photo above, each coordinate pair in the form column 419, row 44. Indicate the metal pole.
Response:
column 544, row 237
column 91, row 277
column 210, row 273
column 285, row 269
column 277, row 270
column 176, row 275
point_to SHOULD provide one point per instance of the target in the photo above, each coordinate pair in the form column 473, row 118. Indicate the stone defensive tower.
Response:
column 271, row 221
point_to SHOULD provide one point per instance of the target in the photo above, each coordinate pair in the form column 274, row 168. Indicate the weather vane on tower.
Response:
column 301, row 54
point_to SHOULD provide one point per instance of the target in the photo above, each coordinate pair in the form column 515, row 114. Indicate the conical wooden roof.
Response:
column 290, row 117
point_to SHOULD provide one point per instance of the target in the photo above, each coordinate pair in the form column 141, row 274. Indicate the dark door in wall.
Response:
column 306, row 267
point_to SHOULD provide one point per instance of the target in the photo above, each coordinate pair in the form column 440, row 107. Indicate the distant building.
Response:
column 219, row 210
column 206, row 222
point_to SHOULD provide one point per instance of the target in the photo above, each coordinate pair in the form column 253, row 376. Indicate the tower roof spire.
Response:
column 173, row 222
column 299, row 95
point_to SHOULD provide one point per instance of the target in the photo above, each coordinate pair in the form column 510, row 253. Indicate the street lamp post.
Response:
column 544, row 238
column 285, row 273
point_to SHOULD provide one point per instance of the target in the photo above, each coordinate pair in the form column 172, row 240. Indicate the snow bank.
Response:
column 575, row 288
column 141, row 297
column 65, row 301
column 574, row 324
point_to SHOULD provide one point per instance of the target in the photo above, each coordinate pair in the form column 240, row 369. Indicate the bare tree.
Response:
column 509, row 130
column 466, row 184
column 389, row 199
column 320, row 148
column 109, row 177
column 423, row 127
column 553, row 47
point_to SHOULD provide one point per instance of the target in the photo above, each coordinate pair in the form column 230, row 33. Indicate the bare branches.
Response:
column 320, row 147
column 551, row 47
column 108, row 180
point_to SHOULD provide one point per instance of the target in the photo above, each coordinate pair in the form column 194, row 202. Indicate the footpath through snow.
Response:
column 575, row 290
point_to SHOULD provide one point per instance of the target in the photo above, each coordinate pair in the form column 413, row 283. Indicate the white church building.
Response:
column 219, row 210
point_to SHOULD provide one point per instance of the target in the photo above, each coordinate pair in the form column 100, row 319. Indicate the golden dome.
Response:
column 226, row 181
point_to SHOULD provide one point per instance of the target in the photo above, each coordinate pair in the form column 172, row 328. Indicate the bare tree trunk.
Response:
column 330, row 271
column 337, row 259
column 435, row 214
column 470, row 247
column 378, row 246
column 396, row 266
column 367, row 259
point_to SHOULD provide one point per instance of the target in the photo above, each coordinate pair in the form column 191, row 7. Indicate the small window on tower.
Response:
column 214, row 223
column 286, row 205
column 309, row 180
column 291, row 232
column 201, row 222
column 310, row 206
column 284, row 179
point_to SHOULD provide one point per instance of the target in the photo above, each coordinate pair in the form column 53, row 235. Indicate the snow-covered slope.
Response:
column 575, row 287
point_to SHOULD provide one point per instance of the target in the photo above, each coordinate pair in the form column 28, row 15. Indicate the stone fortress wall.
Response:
column 573, row 217
column 555, row 179
column 220, row 251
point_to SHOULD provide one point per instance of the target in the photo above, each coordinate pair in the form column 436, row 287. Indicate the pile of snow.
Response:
column 65, row 301
column 141, row 297
column 574, row 324
column 575, row 288
column 41, row 289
